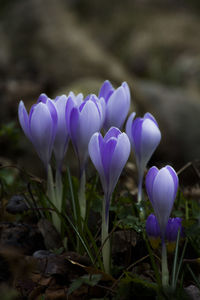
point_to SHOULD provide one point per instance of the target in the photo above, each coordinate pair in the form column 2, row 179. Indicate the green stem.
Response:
column 59, row 193
column 81, row 195
column 52, row 196
column 139, row 195
column 104, row 236
column 59, row 190
column 165, row 272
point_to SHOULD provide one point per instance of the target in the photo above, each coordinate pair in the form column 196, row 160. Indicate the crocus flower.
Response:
column 161, row 186
column 117, row 104
column 40, row 126
column 62, row 135
column 173, row 226
column 153, row 230
column 83, row 118
column 144, row 136
column 109, row 155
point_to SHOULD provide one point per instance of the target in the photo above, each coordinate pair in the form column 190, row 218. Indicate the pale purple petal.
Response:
column 95, row 155
column 151, row 117
column 150, row 138
column 62, row 135
column 149, row 181
column 41, row 129
column 24, row 119
column 69, row 106
column 129, row 127
column 74, row 127
column 127, row 91
column 175, row 178
column 106, row 90
column 119, row 158
column 117, row 109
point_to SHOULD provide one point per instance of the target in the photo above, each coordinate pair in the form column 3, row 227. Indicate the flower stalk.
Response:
column 105, row 241
column 52, row 194
column 165, row 271
column 81, row 195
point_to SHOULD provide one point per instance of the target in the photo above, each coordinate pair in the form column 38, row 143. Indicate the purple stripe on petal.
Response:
column 112, row 132
column 150, row 177
column 106, row 90
column 31, row 113
column 175, row 179
column 52, row 111
column 106, row 155
column 42, row 98
column 137, row 134
column 74, row 127
column 87, row 97
column 69, row 106
column 82, row 105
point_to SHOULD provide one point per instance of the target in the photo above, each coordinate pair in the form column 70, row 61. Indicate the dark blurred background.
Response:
column 54, row 46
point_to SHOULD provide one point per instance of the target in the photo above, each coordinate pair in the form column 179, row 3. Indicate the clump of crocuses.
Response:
column 153, row 231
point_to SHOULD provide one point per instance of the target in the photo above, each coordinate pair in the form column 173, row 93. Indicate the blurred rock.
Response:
column 177, row 112
column 46, row 49
column 16, row 205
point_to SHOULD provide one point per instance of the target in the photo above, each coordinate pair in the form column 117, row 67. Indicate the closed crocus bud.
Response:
column 40, row 126
column 109, row 155
column 62, row 135
column 153, row 231
column 161, row 186
column 83, row 118
column 117, row 104
column 144, row 136
column 173, row 226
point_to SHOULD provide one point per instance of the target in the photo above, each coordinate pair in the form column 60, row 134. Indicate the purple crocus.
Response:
column 109, row 155
column 144, row 136
column 153, row 230
column 173, row 226
column 40, row 126
column 117, row 104
column 83, row 118
column 62, row 135
column 161, row 186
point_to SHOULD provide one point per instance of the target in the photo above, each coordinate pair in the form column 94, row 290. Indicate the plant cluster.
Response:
column 52, row 123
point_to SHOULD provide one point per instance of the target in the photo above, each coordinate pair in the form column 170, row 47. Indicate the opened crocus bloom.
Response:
column 117, row 104
column 109, row 155
column 161, row 186
column 40, row 126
